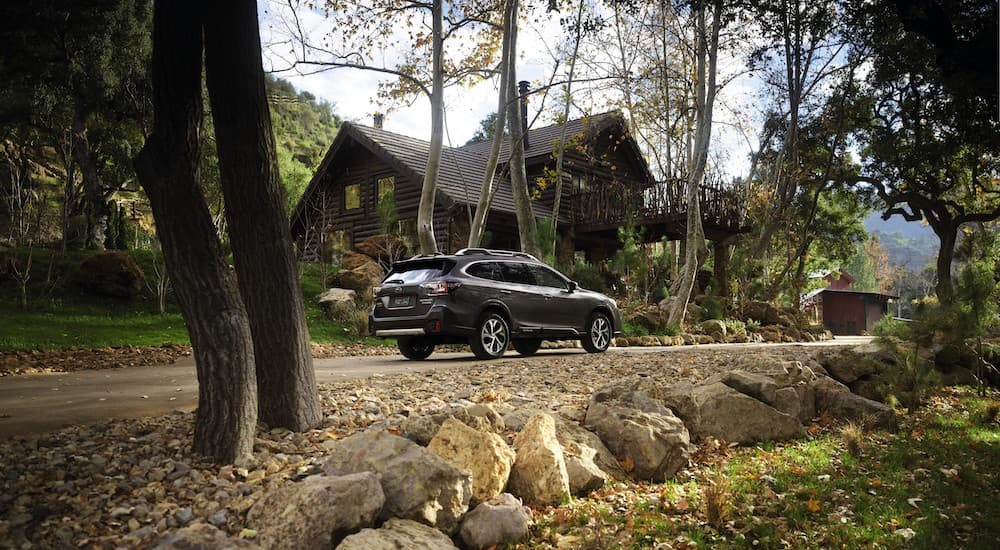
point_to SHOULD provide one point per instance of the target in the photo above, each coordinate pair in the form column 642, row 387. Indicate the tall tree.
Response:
column 527, row 229
column 706, row 63
column 258, row 226
column 932, row 149
column 205, row 287
column 428, row 191
column 490, row 183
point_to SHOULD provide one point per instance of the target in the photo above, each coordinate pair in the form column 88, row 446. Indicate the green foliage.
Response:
column 544, row 228
column 588, row 276
column 890, row 327
column 629, row 262
column 634, row 329
column 659, row 294
column 388, row 219
column 712, row 308
column 752, row 324
column 734, row 326
column 672, row 330
column 912, row 381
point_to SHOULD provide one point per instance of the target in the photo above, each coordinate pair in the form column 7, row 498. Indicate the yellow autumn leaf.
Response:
column 813, row 505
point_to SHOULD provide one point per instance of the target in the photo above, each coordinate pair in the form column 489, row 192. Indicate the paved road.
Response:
column 41, row 402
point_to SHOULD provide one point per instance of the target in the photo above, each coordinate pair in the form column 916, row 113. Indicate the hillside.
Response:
column 910, row 245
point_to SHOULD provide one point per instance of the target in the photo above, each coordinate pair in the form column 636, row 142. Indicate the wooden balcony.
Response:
column 661, row 209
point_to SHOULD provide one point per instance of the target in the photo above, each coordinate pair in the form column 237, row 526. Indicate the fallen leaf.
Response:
column 906, row 533
column 813, row 505
column 915, row 502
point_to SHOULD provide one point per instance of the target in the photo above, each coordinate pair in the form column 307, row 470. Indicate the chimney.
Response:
column 378, row 118
column 522, row 90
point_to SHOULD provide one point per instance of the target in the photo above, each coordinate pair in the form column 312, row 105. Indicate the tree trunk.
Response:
column 489, row 187
column 557, row 199
column 258, row 225
column 94, row 205
column 707, row 61
column 526, row 228
column 206, row 288
column 946, row 253
column 428, row 193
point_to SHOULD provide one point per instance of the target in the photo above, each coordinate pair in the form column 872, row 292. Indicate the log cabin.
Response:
column 607, row 183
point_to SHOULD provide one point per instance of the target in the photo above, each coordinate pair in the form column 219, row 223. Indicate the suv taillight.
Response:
column 439, row 288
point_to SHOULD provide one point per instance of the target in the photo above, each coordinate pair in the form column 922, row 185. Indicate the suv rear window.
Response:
column 412, row 272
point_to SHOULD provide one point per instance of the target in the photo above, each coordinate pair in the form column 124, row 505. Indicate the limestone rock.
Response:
column 362, row 278
column 656, row 443
column 351, row 260
column 398, row 534
column 539, row 474
column 837, row 400
column 486, row 455
column 848, row 365
column 479, row 416
column 714, row 328
column 317, row 512
column 417, row 483
column 200, row 536
column 736, row 417
column 500, row 521
column 755, row 385
column 766, row 313
column 589, row 463
column 337, row 303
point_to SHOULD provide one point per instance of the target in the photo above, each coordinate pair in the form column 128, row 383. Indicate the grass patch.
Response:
column 62, row 316
column 933, row 484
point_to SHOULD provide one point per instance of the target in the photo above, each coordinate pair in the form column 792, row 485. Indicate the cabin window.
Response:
column 579, row 183
column 386, row 188
column 352, row 197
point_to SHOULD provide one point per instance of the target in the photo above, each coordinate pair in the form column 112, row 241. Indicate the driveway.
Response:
column 42, row 402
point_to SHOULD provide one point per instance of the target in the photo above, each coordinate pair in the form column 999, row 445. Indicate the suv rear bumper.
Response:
column 437, row 322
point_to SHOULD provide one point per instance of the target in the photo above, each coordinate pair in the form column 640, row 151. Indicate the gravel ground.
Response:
column 124, row 482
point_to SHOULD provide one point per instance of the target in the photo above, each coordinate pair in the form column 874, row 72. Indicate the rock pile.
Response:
column 451, row 491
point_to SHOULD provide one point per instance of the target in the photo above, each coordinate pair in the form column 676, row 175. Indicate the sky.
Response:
column 353, row 92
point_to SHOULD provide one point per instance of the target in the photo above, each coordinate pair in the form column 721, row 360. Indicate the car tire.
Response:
column 527, row 347
column 415, row 348
column 491, row 338
column 597, row 338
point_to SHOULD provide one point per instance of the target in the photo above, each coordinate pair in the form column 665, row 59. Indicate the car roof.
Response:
column 478, row 254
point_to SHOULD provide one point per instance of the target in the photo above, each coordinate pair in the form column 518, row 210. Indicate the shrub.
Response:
column 659, row 294
column 912, row 381
column 752, row 324
column 671, row 330
column 630, row 329
column 588, row 276
column 718, row 496
column 888, row 327
column 853, row 436
column 711, row 308
column 734, row 326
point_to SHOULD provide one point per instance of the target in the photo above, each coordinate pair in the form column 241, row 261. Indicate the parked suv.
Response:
column 488, row 299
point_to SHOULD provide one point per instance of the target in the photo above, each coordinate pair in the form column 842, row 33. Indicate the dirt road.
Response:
column 42, row 402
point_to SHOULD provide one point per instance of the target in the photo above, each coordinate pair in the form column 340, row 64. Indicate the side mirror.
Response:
column 572, row 286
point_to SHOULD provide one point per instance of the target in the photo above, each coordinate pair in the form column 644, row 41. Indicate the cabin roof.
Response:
column 462, row 168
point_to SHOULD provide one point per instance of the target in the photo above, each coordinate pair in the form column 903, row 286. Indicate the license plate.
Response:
column 401, row 301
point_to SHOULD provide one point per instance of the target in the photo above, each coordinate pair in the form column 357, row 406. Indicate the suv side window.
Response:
column 517, row 272
column 546, row 277
column 485, row 270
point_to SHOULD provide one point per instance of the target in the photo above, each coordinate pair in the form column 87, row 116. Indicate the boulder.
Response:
column 714, row 328
column 386, row 249
column 500, row 521
column 417, row 483
column 689, row 339
column 870, row 387
column 397, row 534
column 849, row 364
column 634, row 341
column 649, row 341
column 758, row 386
column 621, row 342
column 337, row 303
column 200, row 536
column 704, row 339
column 363, row 278
column 480, row 416
column 486, row 455
column 796, row 401
column 317, row 512
column 656, row 444
column 113, row 273
column 539, row 474
column 728, row 414
column 352, row 260
column 837, row 401
column 589, row 463
column 952, row 357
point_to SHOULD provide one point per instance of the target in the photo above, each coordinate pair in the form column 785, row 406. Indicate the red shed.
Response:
column 845, row 311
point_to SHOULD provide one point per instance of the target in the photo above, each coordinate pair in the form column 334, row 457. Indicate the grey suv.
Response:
column 488, row 299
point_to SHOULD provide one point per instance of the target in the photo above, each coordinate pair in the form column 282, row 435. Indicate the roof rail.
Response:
column 493, row 252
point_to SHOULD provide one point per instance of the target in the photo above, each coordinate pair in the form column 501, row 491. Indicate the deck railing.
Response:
column 613, row 204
